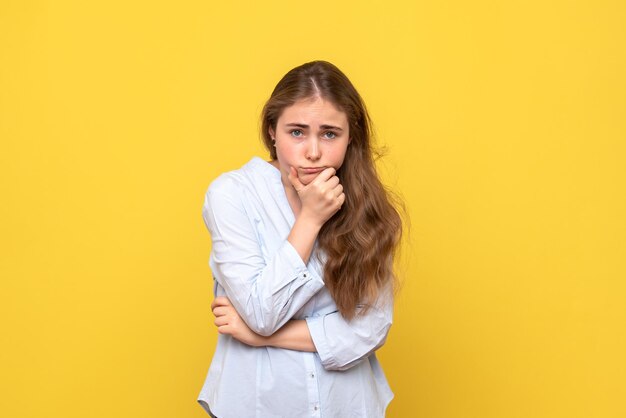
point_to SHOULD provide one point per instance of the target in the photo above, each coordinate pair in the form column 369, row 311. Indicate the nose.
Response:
column 313, row 152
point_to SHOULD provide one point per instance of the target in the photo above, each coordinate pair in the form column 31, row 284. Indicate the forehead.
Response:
column 313, row 111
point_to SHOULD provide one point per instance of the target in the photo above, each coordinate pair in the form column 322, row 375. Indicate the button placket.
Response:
column 312, row 384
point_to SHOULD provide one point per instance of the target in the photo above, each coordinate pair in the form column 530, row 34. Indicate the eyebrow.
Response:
column 302, row 125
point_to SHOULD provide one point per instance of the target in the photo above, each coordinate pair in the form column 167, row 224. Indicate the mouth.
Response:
column 312, row 170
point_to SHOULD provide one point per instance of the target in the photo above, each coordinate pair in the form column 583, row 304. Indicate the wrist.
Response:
column 311, row 221
column 260, row 341
column 270, row 341
column 276, row 339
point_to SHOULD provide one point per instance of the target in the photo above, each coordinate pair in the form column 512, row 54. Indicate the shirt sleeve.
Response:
column 265, row 294
column 342, row 344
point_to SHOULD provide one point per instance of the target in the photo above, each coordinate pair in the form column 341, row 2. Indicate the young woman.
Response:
column 302, row 257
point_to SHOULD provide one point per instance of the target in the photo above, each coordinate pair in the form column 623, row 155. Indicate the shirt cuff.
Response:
column 297, row 264
column 318, row 335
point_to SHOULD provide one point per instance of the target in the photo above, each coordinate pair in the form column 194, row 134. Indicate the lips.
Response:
column 312, row 170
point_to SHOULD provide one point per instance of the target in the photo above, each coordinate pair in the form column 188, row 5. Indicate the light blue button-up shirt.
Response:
column 249, row 218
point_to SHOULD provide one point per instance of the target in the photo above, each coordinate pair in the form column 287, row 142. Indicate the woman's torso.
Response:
column 267, row 382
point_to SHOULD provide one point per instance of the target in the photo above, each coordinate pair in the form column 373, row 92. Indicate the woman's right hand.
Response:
column 229, row 322
column 321, row 198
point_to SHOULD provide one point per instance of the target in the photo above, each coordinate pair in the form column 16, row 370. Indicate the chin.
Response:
column 305, row 180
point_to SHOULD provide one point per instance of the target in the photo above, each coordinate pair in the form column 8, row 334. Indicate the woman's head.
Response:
column 323, row 82
column 310, row 135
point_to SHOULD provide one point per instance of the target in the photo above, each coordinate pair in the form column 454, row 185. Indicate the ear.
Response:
column 271, row 132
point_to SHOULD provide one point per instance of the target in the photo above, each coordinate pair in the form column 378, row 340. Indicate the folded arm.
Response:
column 294, row 335
column 341, row 344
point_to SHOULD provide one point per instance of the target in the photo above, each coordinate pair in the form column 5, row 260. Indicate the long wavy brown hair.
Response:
column 361, row 239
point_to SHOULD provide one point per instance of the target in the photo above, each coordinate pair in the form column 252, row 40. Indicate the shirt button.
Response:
column 304, row 274
column 312, row 375
column 316, row 407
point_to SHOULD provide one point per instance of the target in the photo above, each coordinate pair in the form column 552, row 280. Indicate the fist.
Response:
column 322, row 197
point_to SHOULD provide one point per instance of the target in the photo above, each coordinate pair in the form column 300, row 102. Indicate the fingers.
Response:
column 221, row 310
column 341, row 199
column 224, row 329
column 331, row 183
column 221, row 320
column 225, row 315
column 338, row 190
column 294, row 180
column 332, row 189
column 220, row 301
column 326, row 174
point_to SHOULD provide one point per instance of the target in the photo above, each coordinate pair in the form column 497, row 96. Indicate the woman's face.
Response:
column 311, row 135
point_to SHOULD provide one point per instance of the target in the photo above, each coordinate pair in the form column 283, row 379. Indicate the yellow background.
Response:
column 505, row 124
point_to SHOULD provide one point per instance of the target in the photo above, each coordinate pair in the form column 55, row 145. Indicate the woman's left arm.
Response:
column 341, row 344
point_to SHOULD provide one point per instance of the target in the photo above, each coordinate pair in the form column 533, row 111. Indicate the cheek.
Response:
column 285, row 153
column 287, row 156
column 338, row 156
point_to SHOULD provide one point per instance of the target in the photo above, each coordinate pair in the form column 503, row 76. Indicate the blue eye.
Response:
column 294, row 131
column 331, row 133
